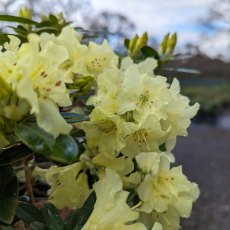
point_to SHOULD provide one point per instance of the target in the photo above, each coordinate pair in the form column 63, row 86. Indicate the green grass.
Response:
column 213, row 99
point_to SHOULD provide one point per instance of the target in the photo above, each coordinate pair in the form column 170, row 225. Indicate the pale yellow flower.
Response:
column 109, row 84
column 111, row 210
column 100, row 57
column 103, row 132
column 142, row 137
column 168, row 220
column 145, row 67
column 152, row 162
column 69, row 186
column 70, row 40
column 13, row 44
column 141, row 93
column 121, row 165
column 132, row 180
column 38, row 72
column 50, row 119
column 178, row 114
column 157, row 226
column 168, row 188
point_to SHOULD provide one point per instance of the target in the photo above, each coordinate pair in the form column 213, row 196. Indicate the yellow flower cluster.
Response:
column 34, row 75
column 135, row 114
column 136, row 111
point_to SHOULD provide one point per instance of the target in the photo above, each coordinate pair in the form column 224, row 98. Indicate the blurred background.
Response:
column 201, row 62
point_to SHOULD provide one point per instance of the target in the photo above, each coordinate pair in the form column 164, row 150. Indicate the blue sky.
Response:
column 158, row 17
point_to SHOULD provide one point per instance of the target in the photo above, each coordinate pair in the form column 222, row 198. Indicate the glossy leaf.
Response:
column 4, row 37
column 78, row 218
column 48, row 29
column 8, row 194
column 52, row 217
column 14, row 153
column 20, row 30
column 37, row 226
column 150, row 52
column 9, row 18
column 44, row 24
column 28, row 213
column 63, row 149
column 126, row 43
column 2, row 227
column 74, row 117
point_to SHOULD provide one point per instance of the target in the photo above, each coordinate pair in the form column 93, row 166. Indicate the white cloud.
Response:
column 159, row 17
column 156, row 17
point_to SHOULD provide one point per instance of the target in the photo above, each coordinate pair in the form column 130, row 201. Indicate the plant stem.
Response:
column 28, row 180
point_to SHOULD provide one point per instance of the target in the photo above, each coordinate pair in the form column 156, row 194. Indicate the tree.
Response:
column 73, row 10
column 217, row 30
column 219, row 15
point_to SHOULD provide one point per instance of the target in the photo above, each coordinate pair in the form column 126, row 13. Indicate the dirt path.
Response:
column 205, row 155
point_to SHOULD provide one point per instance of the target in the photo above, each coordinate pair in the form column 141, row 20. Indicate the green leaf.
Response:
column 4, row 37
column 63, row 149
column 14, row 153
column 53, row 19
column 2, row 227
column 28, row 213
column 9, row 18
column 37, row 226
column 162, row 147
column 74, row 117
column 48, row 29
column 20, row 30
column 34, row 137
column 77, row 219
column 150, row 52
column 8, row 194
column 126, row 43
column 52, row 217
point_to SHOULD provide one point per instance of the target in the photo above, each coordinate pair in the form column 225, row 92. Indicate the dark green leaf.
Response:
column 52, row 217
column 28, row 213
column 78, row 218
column 38, row 226
column 9, row 18
column 2, row 227
column 150, row 52
column 49, row 29
column 35, row 138
column 126, row 43
column 74, row 117
column 19, row 30
column 63, row 149
column 44, row 24
column 8, row 194
column 5, row 38
column 14, row 153
column 162, row 147
column 53, row 19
